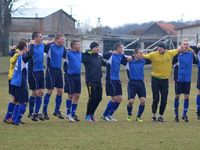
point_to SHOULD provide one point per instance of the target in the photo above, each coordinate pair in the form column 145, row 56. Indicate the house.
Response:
column 45, row 21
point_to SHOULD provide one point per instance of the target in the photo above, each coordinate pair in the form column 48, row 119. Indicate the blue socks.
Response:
column 186, row 105
column 10, row 110
column 68, row 106
column 114, row 108
column 16, row 109
column 129, row 110
column 74, row 107
column 176, row 105
column 198, row 103
column 140, row 110
column 111, row 108
column 38, row 104
column 58, row 101
column 31, row 104
column 46, row 102
column 21, row 111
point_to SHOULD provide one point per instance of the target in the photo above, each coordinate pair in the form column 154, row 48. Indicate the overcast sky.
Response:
column 118, row 12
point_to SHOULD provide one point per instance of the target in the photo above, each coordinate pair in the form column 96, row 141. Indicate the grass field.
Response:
column 60, row 134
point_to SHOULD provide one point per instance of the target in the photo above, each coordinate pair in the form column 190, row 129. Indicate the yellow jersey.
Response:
column 161, row 63
column 13, row 60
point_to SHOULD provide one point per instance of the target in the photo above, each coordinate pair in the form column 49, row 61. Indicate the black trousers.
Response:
column 95, row 96
column 160, row 88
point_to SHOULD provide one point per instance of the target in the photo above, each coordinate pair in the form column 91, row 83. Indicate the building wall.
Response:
column 154, row 30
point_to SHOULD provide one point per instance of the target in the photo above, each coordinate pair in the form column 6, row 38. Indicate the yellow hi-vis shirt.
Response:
column 13, row 60
column 161, row 63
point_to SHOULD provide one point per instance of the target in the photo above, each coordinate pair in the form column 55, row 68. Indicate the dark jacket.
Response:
column 93, row 66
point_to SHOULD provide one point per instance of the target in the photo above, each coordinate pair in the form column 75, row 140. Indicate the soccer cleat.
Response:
column 76, row 118
column 34, row 117
column 70, row 118
column 154, row 119
column 185, row 118
column 105, row 118
column 112, row 118
column 88, row 118
column 59, row 115
column 139, row 119
column 93, row 118
column 129, row 118
column 46, row 116
column 176, row 119
column 161, row 119
column 40, row 117
column 8, row 121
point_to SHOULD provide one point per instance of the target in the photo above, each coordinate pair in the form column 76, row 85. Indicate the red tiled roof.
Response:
column 168, row 28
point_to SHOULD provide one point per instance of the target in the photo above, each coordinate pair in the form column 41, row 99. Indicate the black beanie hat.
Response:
column 163, row 45
column 93, row 45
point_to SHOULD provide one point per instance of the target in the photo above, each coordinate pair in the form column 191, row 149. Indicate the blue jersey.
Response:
column 20, row 72
column 135, row 69
column 55, row 54
column 113, row 65
column 72, row 64
column 185, row 61
column 37, row 59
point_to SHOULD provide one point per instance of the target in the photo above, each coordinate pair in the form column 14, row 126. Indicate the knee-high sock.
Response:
column 198, row 103
column 140, row 110
column 46, row 102
column 129, row 109
column 114, row 108
column 68, row 106
column 10, row 110
column 186, row 105
column 109, row 107
column 74, row 107
column 38, row 104
column 58, row 101
column 31, row 104
column 16, row 109
column 21, row 111
column 176, row 105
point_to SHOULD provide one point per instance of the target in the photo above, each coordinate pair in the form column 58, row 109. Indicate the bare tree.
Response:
column 6, row 8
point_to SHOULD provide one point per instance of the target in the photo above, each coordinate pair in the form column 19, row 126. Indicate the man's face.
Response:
column 96, row 49
column 138, row 55
column 61, row 41
column 39, row 39
column 77, row 46
column 161, row 50
column 120, row 49
column 185, row 45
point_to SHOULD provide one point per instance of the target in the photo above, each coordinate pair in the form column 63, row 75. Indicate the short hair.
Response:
column 137, row 50
column 185, row 40
column 117, row 45
column 59, row 35
column 22, row 44
column 35, row 35
column 73, row 43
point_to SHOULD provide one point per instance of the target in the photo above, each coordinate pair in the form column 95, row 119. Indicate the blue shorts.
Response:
column 182, row 87
column 54, row 79
column 72, row 84
column 11, row 88
column 36, row 80
column 113, row 88
column 21, row 94
column 136, row 87
column 198, row 80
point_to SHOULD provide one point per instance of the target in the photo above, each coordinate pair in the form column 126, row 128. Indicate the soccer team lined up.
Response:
column 26, row 61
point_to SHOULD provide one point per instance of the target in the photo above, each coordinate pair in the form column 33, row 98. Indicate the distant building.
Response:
column 49, row 22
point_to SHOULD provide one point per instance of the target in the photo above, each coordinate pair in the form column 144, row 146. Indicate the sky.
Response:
column 115, row 13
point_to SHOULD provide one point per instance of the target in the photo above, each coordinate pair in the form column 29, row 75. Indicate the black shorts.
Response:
column 72, row 84
column 136, row 87
column 54, row 78
column 182, row 87
column 21, row 94
column 113, row 88
column 36, row 80
column 198, row 80
column 11, row 88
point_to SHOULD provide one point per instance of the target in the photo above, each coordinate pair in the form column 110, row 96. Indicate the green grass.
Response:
column 4, row 64
column 60, row 134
